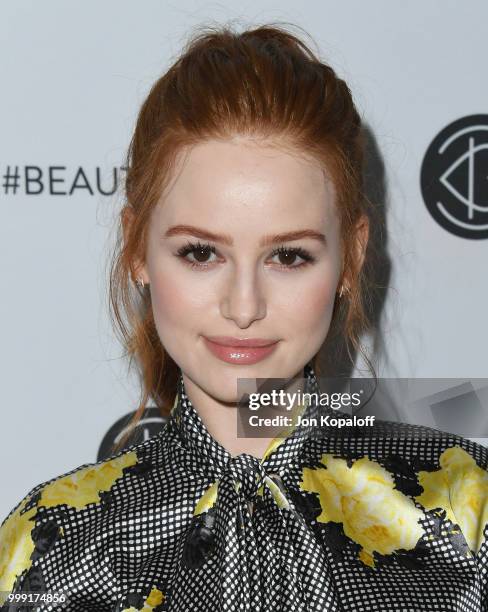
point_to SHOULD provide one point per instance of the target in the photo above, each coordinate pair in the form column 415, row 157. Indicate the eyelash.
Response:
column 192, row 246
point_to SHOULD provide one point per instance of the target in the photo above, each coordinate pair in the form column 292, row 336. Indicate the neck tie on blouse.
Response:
column 248, row 547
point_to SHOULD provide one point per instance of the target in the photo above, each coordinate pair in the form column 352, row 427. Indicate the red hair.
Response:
column 264, row 83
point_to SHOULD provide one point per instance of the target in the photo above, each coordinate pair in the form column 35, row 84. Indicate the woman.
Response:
column 243, row 252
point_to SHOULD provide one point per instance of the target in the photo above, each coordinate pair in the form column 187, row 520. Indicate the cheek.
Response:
column 177, row 302
column 309, row 309
column 317, row 313
column 167, row 299
column 174, row 314
column 321, row 300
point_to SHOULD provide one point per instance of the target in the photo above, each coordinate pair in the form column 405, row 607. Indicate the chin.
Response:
column 223, row 381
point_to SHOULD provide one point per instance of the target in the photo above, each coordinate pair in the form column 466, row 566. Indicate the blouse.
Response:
column 393, row 518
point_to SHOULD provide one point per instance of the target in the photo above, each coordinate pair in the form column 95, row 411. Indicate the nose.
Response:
column 243, row 299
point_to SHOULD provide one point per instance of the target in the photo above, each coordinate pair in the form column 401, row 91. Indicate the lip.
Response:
column 242, row 351
column 240, row 342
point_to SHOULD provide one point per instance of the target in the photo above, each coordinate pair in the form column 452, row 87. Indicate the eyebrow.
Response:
column 177, row 230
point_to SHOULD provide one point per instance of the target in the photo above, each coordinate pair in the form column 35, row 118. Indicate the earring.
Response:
column 342, row 290
column 140, row 282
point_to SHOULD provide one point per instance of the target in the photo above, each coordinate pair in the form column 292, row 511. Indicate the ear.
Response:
column 139, row 269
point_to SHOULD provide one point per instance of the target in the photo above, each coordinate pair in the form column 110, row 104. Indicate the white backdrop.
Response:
column 73, row 76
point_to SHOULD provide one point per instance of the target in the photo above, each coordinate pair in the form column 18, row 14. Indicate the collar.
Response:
column 281, row 452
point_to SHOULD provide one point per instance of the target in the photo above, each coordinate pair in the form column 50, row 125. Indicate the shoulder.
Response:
column 457, row 483
column 43, row 518
column 445, row 473
column 415, row 443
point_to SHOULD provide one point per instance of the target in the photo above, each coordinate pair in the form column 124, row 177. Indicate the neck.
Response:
column 221, row 418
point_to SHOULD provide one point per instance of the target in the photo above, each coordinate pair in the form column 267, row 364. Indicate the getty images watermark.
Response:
column 300, row 399
column 363, row 406
column 268, row 407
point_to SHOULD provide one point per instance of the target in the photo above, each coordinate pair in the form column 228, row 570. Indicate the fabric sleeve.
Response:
column 468, row 493
column 16, row 543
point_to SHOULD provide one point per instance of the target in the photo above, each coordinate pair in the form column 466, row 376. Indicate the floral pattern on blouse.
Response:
column 21, row 539
column 362, row 497
column 336, row 522
column 153, row 601
column 460, row 488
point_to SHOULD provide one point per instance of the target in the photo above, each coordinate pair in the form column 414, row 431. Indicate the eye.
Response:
column 200, row 253
column 288, row 255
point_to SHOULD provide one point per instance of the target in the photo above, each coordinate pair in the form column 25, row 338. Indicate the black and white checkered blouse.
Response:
column 321, row 523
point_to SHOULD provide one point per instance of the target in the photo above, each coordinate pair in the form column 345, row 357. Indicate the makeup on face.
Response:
column 243, row 261
column 240, row 351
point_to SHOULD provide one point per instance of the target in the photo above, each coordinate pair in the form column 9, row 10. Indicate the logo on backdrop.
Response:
column 59, row 180
column 150, row 425
column 454, row 177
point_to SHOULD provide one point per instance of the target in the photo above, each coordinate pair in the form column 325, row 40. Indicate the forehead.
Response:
column 234, row 180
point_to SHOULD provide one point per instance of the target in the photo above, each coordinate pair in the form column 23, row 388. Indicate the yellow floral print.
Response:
column 459, row 487
column 207, row 500
column 363, row 498
column 278, row 495
column 16, row 547
column 78, row 489
column 272, row 446
column 155, row 598
column 83, row 486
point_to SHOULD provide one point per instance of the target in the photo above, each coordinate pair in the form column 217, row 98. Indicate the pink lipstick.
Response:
column 242, row 351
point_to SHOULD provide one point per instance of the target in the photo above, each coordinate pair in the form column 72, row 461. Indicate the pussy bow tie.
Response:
column 248, row 545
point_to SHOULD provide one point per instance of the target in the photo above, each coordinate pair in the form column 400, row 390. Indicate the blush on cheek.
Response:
column 320, row 300
column 316, row 314
column 166, row 299
column 176, row 304
column 170, row 288
column 168, row 316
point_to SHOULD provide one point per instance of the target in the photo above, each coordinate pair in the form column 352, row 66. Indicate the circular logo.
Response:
column 454, row 177
column 150, row 425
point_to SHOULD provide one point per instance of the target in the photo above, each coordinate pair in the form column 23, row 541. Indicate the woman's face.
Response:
column 244, row 244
